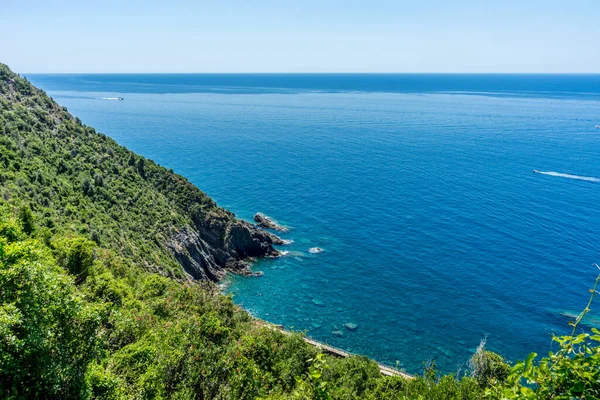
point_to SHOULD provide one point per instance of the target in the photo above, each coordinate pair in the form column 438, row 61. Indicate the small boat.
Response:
column 597, row 127
column 535, row 171
column 120, row 98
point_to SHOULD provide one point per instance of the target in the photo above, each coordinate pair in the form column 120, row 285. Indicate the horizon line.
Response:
column 310, row 73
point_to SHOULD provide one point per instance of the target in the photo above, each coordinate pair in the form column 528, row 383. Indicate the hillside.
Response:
column 80, row 181
column 97, row 248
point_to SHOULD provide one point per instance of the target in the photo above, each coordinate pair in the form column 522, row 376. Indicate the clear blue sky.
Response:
column 301, row 36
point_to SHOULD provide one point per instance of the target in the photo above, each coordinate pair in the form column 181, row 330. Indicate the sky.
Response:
column 74, row 36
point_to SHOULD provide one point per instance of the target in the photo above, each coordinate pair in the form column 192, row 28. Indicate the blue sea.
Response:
column 419, row 188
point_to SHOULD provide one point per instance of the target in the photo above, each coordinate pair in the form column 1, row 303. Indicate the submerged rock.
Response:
column 315, row 250
column 267, row 222
column 351, row 326
column 318, row 302
column 337, row 333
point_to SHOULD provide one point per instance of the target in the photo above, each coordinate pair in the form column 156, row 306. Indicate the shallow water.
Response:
column 436, row 233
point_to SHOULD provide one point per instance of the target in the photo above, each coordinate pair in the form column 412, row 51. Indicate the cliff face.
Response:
column 203, row 255
column 80, row 181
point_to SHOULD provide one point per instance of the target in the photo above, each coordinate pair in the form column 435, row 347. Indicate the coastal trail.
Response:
column 334, row 351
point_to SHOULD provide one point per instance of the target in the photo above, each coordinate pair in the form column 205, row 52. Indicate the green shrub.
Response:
column 75, row 254
column 488, row 368
column 102, row 384
column 26, row 218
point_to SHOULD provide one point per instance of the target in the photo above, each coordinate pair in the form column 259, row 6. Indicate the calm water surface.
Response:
column 419, row 188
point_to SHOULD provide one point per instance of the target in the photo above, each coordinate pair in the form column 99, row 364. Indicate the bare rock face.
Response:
column 267, row 222
column 218, row 245
column 247, row 240
column 198, row 258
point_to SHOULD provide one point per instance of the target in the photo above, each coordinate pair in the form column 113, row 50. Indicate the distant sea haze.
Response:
column 528, row 85
column 420, row 190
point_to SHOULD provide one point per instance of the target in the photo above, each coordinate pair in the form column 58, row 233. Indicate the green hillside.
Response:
column 79, row 181
column 107, row 263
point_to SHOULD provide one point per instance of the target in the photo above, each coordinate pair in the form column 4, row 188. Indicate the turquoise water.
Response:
column 419, row 188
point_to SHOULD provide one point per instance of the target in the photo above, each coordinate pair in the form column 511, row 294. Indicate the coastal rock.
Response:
column 315, row 250
column 267, row 222
column 219, row 243
column 198, row 258
column 249, row 241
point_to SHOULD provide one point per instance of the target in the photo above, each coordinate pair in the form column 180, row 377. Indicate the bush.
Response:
column 488, row 368
column 75, row 254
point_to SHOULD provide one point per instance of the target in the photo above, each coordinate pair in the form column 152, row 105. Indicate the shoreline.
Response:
column 384, row 369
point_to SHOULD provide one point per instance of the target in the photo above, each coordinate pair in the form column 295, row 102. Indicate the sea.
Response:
column 420, row 189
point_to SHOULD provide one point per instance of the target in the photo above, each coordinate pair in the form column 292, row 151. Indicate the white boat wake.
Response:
column 569, row 176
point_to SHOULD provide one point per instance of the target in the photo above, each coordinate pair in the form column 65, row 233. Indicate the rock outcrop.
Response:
column 218, row 244
column 267, row 222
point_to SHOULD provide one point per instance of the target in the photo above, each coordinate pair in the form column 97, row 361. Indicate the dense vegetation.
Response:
column 93, row 305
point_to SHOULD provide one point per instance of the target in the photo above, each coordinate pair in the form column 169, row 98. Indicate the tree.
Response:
column 26, row 218
column 140, row 167
column 99, row 180
column 87, row 187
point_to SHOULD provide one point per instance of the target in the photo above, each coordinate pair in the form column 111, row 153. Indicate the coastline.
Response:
column 446, row 242
column 385, row 370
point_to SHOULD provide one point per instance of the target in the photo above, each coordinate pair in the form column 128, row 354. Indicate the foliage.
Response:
column 316, row 385
column 26, row 219
column 488, row 368
column 75, row 254
column 47, row 329
column 430, row 386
